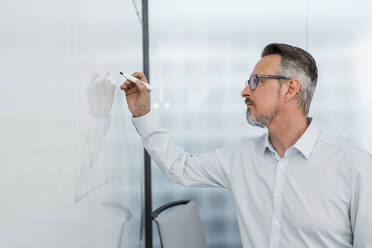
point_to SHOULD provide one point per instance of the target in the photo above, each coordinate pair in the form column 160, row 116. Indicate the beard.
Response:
column 262, row 120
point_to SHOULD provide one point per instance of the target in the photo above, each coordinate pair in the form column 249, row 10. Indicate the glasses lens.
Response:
column 253, row 82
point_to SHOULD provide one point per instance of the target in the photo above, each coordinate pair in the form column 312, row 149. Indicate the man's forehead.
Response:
column 268, row 64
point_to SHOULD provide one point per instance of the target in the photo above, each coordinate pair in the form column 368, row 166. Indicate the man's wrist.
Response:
column 141, row 114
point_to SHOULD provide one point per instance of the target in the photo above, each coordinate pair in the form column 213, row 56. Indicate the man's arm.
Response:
column 205, row 169
column 208, row 169
column 361, row 203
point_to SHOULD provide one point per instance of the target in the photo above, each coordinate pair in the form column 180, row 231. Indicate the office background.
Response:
column 203, row 51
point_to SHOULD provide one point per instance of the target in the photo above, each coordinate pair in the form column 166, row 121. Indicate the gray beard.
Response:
column 262, row 120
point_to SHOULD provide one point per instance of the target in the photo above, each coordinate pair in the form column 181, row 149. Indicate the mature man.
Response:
column 292, row 187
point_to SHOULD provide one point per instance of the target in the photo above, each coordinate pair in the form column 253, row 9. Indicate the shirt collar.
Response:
column 304, row 144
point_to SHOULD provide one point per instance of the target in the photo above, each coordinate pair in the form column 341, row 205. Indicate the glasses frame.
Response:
column 258, row 76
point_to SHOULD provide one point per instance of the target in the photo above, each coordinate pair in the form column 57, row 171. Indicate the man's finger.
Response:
column 140, row 76
column 126, row 85
column 140, row 86
column 131, row 91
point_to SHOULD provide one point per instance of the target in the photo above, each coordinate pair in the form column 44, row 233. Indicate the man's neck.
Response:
column 285, row 130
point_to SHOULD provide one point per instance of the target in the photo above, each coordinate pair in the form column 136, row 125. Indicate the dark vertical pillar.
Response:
column 147, row 169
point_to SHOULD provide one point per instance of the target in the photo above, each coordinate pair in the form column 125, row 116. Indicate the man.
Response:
column 293, row 186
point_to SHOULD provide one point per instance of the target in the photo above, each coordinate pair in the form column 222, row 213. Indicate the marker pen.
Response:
column 133, row 79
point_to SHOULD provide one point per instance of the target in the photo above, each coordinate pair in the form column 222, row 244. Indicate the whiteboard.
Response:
column 70, row 161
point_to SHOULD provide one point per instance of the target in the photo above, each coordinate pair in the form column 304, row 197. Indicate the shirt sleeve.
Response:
column 361, row 203
column 211, row 169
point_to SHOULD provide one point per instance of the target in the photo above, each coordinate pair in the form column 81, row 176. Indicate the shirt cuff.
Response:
column 146, row 124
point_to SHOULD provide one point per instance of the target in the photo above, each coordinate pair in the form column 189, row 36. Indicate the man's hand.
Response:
column 138, row 97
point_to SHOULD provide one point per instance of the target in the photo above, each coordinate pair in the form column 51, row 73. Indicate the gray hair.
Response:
column 297, row 63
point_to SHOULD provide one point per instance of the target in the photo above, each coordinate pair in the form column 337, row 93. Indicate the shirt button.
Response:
column 277, row 193
column 276, row 223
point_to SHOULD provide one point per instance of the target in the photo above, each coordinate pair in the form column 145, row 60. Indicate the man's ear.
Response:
column 293, row 89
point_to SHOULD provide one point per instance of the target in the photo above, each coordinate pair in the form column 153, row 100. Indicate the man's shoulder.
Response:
column 340, row 145
column 253, row 141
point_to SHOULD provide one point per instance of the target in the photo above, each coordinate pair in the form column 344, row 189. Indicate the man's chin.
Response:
column 253, row 121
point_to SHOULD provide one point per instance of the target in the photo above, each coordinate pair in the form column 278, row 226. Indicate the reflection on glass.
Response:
column 101, row 47
column 100, row 96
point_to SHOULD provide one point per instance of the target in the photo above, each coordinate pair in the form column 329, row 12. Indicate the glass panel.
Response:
column 70, row 159
column 341, row 40
column 199, row 64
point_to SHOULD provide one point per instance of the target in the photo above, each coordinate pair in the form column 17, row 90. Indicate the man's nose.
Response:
column 247, row 92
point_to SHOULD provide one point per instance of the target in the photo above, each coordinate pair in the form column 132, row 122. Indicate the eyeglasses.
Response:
column 255, row 79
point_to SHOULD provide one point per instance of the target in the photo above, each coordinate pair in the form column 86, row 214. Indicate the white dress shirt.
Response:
column 318, row 195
